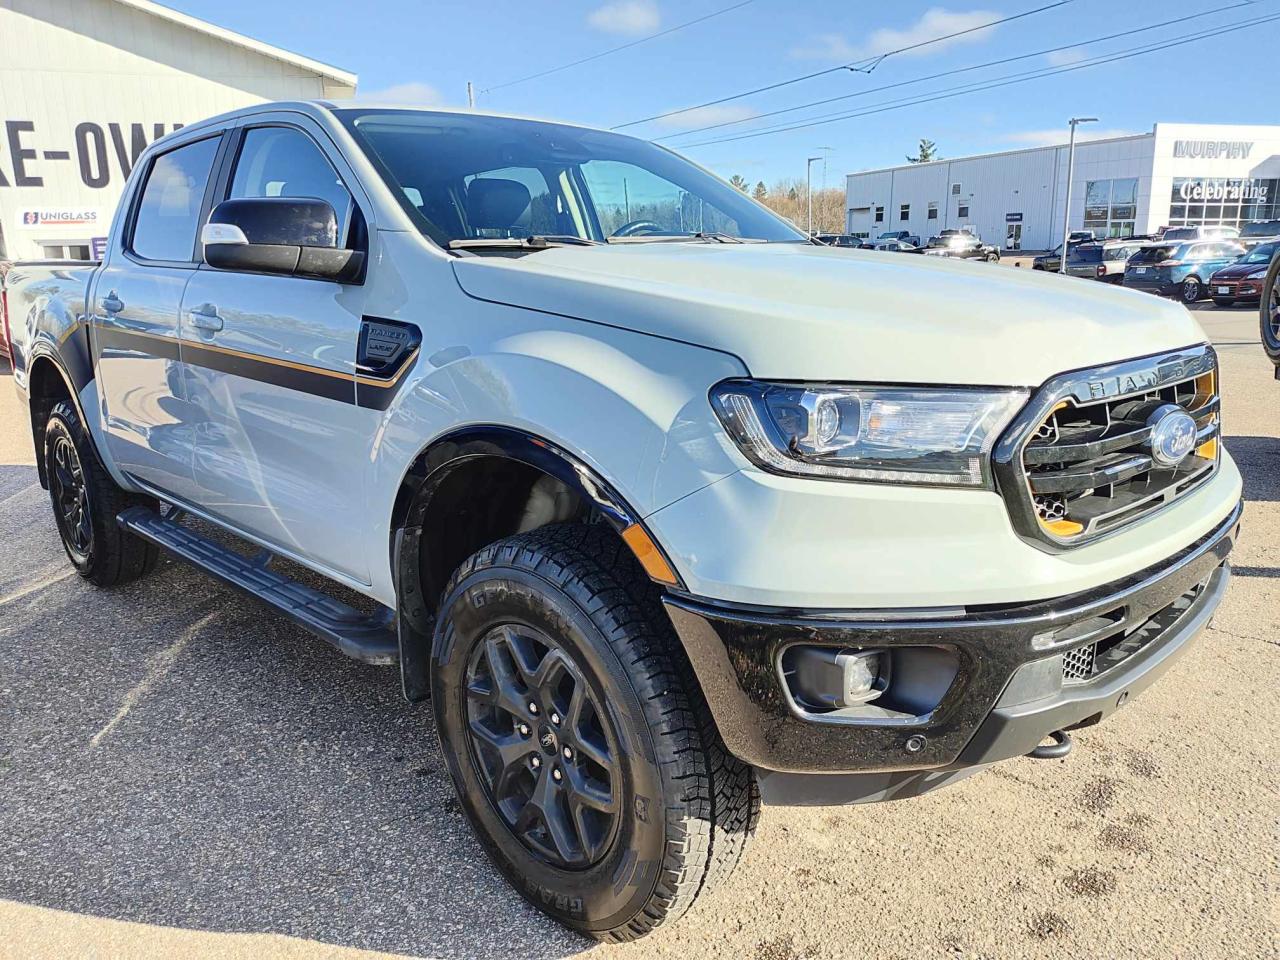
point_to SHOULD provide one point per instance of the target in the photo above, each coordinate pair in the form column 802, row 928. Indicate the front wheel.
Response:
column 1191, row 290
column 578, row 741
column 1269, row 311
column 86, row 502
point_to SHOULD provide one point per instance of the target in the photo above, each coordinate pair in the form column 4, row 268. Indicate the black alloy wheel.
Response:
column 70, row 498
column 543, row 745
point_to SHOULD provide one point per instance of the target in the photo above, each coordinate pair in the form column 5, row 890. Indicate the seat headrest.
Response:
column 496, row 204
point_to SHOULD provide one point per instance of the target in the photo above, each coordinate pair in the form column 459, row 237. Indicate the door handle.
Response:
column 205, row 317
column 112, row 303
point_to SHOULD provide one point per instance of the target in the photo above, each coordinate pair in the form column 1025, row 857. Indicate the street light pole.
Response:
column 1071, row 170
column 808, row 188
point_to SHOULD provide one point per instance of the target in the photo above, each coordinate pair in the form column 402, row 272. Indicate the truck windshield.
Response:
column 463, row 177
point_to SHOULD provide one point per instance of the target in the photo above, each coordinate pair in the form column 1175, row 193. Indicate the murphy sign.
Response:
column 1213, row 149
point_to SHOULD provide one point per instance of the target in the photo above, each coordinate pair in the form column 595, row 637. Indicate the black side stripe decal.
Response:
column 375, row 391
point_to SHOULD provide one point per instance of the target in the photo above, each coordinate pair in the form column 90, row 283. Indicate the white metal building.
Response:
column 1177, row 174
column 85, row 85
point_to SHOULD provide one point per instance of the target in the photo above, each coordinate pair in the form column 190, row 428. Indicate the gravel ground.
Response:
column 183, row 774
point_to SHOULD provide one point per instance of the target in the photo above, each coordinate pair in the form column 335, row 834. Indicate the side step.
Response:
column 371, row 639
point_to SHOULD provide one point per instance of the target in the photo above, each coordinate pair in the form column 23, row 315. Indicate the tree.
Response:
column 761, row 192
column 928, row 151
column 737, row 181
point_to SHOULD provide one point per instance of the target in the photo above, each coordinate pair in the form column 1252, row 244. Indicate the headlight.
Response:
column 878, row 434
column 1257, row 274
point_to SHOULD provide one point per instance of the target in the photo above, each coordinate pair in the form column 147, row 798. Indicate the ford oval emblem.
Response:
column 1173, row 434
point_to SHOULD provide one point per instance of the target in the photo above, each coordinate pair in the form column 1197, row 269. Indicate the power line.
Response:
column 857, row 65
column 959, row 70
column 991, row 85
column 625, row 46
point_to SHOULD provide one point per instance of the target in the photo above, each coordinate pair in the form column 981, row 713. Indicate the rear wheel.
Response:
column 1192, row 290
column 580, row 746
column 85, row 504
column 1269, row 311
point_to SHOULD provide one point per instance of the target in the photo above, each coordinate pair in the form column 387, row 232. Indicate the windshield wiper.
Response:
column 540, row 242
column 706, row 236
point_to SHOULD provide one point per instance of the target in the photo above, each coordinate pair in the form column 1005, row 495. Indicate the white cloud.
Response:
column 1065, row 58
column 933, row 23
column 418, row 94
column 630, row 17
column 1047, row 138
column 706, row 116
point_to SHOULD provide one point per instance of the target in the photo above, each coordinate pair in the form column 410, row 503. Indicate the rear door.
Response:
column 270, row 364
column 136, row 323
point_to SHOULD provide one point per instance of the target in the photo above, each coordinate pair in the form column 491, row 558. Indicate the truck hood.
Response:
column 800, row 312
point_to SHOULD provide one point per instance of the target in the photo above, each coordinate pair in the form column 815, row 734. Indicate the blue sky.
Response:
column 427, row 50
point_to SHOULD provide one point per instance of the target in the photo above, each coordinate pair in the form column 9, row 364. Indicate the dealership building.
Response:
column 1178, row 174
column 86, row 85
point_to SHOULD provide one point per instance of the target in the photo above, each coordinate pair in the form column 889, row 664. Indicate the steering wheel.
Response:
column 639, row 228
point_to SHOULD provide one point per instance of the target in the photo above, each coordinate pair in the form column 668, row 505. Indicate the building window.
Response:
column 1233, row 203
column 955, row 189
column 963, row 211
column 879, row 214
column 1111, row 206
column 933, row 211
column 904, row 213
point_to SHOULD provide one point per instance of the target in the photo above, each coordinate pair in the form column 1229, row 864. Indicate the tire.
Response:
column 564, row 617
column 1223, row 302
column 1191, row 290
column 1269, row 311
column 85, row 503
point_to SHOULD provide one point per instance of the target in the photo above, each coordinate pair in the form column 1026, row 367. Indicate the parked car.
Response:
column 1243, row 279
column 1260, row 231
column 897, row 246
column 663, row 520
column 1269, row 312
column 1052, row 261
column 961, row 246
column 906, row 235
column 1103, row 261
column 1179, row 269
column 1200, row 232
column 844, row 240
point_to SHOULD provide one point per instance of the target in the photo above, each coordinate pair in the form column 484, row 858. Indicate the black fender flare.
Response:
column 423, row 479
column 39, row 356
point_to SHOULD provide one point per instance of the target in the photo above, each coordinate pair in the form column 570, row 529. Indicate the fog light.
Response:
column 824, row 678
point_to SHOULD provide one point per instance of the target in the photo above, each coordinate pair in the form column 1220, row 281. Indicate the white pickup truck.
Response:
column 664, row 507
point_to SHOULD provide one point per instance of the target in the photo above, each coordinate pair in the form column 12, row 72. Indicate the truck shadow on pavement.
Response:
column 1259, row 461
column 172, row 754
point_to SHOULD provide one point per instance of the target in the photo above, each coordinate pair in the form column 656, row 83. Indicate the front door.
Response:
column 137, row 299
column 1013, row 236
column 270, row 364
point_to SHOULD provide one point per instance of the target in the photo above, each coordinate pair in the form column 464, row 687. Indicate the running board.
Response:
column 368, row 638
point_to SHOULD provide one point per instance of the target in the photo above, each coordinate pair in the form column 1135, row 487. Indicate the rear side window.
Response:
column 285, row 162
column 169, row 210
column 1152, row 254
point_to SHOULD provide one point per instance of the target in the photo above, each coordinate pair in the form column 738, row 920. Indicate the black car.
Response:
column 961, row 246
column 844, row 240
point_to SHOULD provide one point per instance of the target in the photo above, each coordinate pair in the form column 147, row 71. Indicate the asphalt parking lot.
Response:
column 183, row 774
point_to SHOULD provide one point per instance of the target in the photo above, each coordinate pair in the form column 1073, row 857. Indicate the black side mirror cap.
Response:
column 288, row 236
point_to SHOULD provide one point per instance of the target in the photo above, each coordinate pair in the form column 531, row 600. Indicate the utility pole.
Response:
column 471, row 96
column 808, row 188
column 1071, row 170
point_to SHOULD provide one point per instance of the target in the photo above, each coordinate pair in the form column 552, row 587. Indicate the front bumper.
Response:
column 1235, row 289
column 1009, row 690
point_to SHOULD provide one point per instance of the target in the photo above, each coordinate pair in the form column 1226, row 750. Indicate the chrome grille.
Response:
column 1078, row 463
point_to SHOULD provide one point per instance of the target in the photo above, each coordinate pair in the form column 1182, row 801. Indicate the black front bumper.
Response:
column 1009, row 691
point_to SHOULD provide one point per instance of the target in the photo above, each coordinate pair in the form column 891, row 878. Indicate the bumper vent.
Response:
column 1094, row 659
column 1081, row 461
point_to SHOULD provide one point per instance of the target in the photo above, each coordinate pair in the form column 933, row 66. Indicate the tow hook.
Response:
column 1060, row 747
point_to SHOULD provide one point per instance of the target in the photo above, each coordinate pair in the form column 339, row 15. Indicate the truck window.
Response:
column 169, row 211
column 624, row 193
column 285, row 162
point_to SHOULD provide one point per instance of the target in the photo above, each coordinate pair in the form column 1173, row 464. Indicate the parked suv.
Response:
column 1200, row 232
column 1243, row 278
column 1260, row 231
column 1103, row 261
column 1179, row 269
column 663, row 507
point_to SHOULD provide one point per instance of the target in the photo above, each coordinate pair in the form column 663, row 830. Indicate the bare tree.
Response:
column 787, row 197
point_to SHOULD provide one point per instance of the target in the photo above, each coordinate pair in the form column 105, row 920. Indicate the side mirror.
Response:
column 289, row 236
